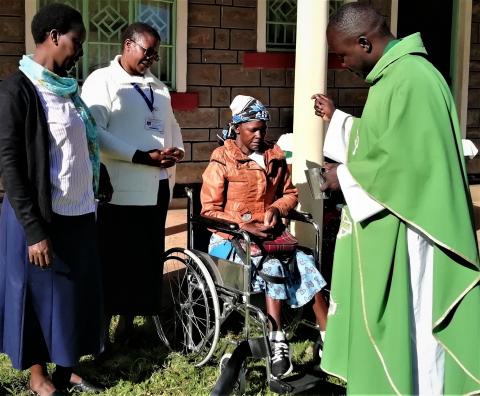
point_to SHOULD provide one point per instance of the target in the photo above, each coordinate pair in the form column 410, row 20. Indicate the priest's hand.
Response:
column 331, row 179
column 40, row 254
column 323, row 106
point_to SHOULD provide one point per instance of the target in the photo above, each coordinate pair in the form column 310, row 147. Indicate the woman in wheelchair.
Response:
column 247, row 181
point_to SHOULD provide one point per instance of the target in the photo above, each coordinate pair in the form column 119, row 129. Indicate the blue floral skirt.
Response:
column 300, row 285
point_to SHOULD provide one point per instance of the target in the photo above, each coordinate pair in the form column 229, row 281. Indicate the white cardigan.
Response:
column 120, row 113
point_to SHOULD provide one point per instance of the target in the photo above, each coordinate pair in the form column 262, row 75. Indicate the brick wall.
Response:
column 219, row 32
column 12, row 40
column 473, row 115
column 12, row 35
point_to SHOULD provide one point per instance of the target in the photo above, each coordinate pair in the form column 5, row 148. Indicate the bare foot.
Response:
column 75, row 379
column 41, row 385
column 40, row 382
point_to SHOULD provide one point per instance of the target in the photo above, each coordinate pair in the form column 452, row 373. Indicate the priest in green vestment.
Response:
column 404, row 314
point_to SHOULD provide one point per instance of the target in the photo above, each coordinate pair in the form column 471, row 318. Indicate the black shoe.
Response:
column 61, row 380
column 281, row 361
column 85, row 386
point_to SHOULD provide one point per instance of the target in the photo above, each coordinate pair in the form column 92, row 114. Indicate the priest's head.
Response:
column 358, row 34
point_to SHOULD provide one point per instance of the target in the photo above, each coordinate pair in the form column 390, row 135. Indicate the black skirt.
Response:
column 132, row 242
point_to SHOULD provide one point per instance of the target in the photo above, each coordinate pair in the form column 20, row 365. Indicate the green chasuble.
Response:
column 406, row 153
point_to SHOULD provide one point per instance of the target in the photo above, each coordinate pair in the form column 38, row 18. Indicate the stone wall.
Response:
column 12, row 35
column 219, row 33
column 12, row 40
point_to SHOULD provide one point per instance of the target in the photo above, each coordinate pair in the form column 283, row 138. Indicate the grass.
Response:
column 143, row 366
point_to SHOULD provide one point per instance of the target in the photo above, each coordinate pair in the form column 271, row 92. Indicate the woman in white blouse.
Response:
column 140, row 142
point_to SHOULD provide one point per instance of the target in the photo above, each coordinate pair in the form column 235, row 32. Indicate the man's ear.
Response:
column 365, row 44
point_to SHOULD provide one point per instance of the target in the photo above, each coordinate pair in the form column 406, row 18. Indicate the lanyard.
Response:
column 150, row 101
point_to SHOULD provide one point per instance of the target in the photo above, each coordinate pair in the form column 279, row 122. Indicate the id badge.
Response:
column 153, row 124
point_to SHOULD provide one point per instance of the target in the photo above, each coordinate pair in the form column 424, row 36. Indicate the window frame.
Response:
column 180, row 62
column 262, row 26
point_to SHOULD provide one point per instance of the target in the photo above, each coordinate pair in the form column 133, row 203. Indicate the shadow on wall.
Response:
column 475, row 193
column 330, row 219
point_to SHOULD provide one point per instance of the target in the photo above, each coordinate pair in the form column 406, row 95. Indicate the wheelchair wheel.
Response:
column 190, row 319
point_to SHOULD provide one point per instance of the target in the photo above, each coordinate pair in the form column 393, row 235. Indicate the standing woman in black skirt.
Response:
column 50, row 281
column 140, row 143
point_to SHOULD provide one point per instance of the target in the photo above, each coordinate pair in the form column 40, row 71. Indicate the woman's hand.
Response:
column 271, row 217
column 161, row 158
column 158, row 158
column 40, row 254
column 324, row 106
column 105, row 188
column 174, row 152
column 259, row 230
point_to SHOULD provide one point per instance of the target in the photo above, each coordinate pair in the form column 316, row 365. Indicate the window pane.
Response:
column 161, row 14
column 282, row 23
column 105, row 21
column 334, row 5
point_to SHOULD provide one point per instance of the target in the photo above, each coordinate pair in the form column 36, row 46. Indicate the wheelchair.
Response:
column 202, row 291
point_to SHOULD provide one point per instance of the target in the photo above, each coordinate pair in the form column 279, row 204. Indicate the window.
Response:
column 281, row 25
column 106, row 19
column 334, row 5
column 278, row 33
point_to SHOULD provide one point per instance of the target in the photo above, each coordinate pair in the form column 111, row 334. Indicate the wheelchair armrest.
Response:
column 300, row 216
column 215, row 223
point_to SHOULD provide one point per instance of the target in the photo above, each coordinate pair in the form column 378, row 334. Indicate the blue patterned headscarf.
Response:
column 244, row 109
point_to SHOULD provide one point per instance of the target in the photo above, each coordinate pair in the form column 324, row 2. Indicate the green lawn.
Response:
column 143, row 366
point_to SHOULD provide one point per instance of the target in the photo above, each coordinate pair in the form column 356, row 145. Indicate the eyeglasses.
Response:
column 148, row 53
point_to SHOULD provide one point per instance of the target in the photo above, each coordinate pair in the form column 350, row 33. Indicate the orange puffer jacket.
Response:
column 236, row 188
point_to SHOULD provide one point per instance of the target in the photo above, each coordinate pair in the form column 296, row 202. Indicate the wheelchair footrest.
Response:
column 258, row 349
column 297, row 383
column 229, row 375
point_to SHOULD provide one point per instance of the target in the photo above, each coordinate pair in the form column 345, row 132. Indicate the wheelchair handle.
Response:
column 296, row 215
column 215, row 222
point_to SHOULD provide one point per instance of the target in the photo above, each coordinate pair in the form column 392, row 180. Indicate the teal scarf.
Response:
column 68, row 88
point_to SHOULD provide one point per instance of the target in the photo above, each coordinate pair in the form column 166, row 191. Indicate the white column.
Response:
column 30, row 11
column 310, row 78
